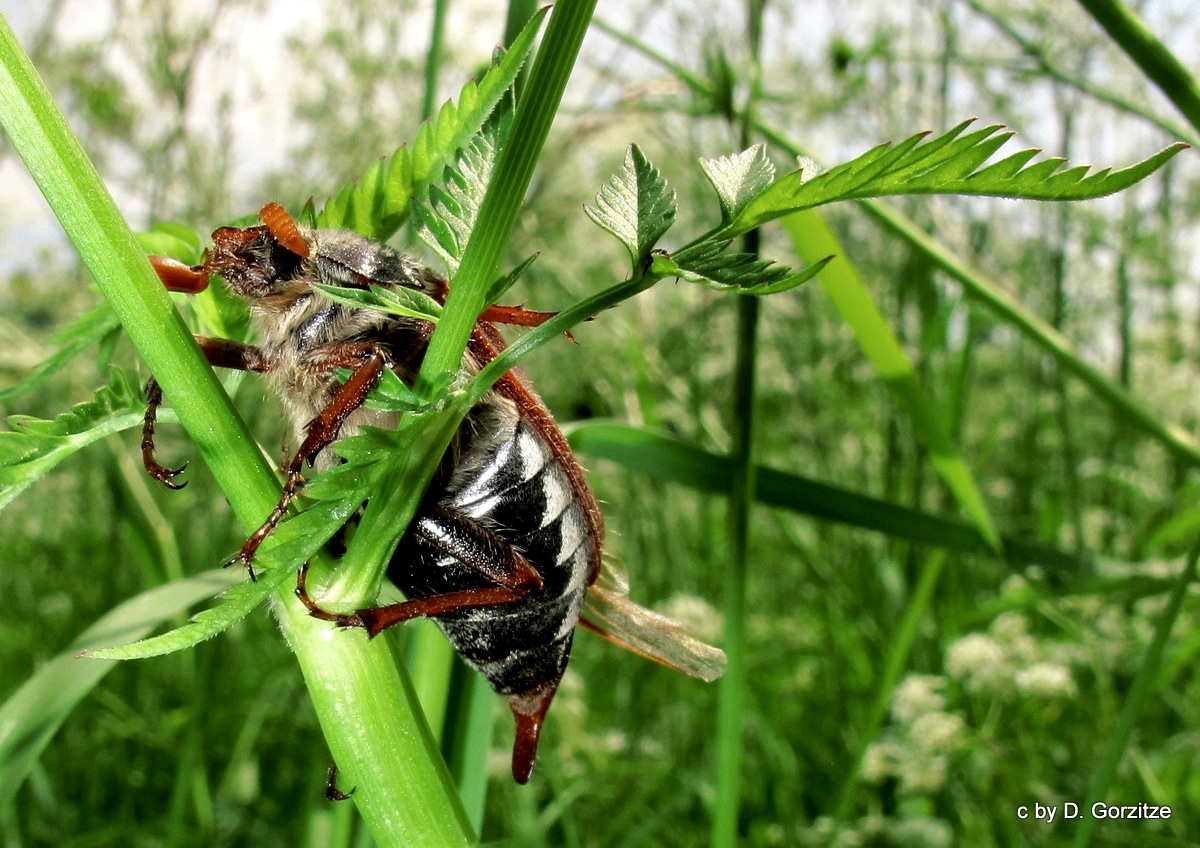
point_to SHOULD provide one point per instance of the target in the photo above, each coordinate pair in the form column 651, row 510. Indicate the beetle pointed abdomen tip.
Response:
column 529, row 711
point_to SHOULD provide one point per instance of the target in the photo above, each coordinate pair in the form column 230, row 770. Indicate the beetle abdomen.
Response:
column 505, row 477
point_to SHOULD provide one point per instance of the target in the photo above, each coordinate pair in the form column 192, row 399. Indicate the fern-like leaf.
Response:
column 80, row 334
column 378, row 203
column 709, row 264
column 453, row 208
column 952, row 163
column 407, row 303
column 334, row 496
column 35, row 446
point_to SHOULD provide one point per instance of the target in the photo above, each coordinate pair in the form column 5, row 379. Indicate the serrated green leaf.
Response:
column 379, row 204
column 708, row 263
column 790, row 282
column 952, row 163
column 635, row 205
column 34, row 446
column 738, row 177
column 453, row 206
column 234, row 605
column 394, row 395
column 334, row 497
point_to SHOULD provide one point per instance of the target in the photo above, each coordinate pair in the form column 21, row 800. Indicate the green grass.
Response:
column 896, row 692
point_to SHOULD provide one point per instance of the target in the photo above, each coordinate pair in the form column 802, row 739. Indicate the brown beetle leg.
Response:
column 519, row 316
column 161, row 473
column 516, row 316
column 178, row 277
column 467, row 541
column 222, row 353
column 377, row 619
column 369, row 362
column 332, row 793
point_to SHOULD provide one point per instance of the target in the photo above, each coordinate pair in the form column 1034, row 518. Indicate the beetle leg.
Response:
column 469, row 543
column 516, row 316
column 369, row 362
column 377, row 619
column 519, row 316
column 332, row 793
column 159, row 472
column 223, row 353
column 476, row 546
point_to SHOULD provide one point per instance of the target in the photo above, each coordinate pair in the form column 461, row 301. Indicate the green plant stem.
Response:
column 355, row 685
column 731, row 708
column 510, row 181
column 1041, row 57
column 1139, row 691
column 732, row 703
column 433, row 57
column 1151, row 55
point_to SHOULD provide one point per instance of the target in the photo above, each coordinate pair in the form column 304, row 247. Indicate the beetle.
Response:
column 506, row 544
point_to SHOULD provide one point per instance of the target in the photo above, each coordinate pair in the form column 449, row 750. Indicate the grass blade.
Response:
column 876, row 340
column 665, row 458
column 1139, row 691
column 32, row 715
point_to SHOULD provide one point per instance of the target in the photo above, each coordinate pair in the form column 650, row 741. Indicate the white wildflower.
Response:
column 921, row 833
column 1046, row 680
column 979, row 661
column 917, row 695
column 923, row 775
column 937, row 731
column 881, row 760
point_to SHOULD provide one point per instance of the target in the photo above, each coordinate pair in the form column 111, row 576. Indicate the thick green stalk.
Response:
column 358, row 690
column 741, row 499
column 510, row 181
column 362, row 568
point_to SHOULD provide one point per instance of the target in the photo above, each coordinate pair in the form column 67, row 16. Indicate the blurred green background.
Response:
column 198, row 113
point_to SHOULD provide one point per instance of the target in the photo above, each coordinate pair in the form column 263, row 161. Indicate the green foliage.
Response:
column 34, row 447
column 32, row 715
column 408, row 303
column 739, row 178
column 635, row 206
column 951, row 163
column 377, row 204
column 454, row 206
column 82, row 333
column 935, row 672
